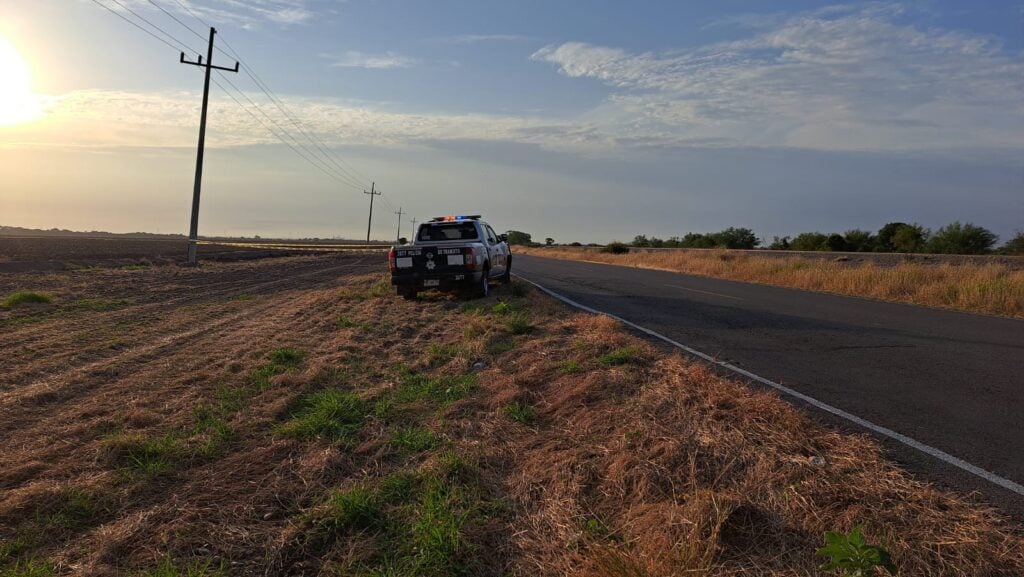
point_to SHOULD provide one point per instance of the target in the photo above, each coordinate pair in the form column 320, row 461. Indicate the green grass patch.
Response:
column 502, row 309
column 18, row 298
column 442, row 353
column 279, row 361
column 357, row 509
column 330, row 413
column 473, row 308
column 78, row 510
column 414, row 439
column 570, row 367
column 380, row 288
column 518, row 323
column 148, row 457
column 520, row 412
column 211, row 434
column 29, row 568
column 344, row 322
column 438, row 533
column 413, row 386
column 16, row 547
column 168, row 568
column 620, row 356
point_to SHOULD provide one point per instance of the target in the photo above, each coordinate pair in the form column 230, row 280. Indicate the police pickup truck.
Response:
column 450, row 253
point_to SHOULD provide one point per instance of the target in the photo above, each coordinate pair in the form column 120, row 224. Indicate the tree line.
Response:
column 954, row 238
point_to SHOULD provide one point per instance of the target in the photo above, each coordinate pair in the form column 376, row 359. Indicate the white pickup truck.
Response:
column 450, row 253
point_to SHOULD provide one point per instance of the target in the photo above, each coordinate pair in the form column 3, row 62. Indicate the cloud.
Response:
column 842, row 78
column 466, row 39
column 247, row 14
column 355, row 59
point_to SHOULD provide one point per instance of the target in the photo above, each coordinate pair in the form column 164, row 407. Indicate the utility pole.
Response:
column 398, row 234
column 193, row 230
column 372, row 192
column 414, row 229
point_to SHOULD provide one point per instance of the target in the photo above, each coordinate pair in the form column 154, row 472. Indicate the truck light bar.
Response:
column 452, row 218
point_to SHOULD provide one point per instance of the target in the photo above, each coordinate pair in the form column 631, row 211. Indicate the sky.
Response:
column 580, row 120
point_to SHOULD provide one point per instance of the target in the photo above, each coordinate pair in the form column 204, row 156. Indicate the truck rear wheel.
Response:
column 407, row 293
column 507, row 277
column 483, row 287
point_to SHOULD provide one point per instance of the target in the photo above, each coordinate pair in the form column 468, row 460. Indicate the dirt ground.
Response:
column 292, row 416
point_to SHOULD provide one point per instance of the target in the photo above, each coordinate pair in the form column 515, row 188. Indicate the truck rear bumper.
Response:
column 443, row 282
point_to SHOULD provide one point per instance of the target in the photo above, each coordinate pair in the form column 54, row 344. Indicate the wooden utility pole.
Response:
column 193, row 230
column 414, row 229
column 372, row 192
column 398, row 234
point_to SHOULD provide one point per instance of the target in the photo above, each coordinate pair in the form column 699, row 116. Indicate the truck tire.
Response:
column 483, row 288
column 407, row 293
column 507, row 277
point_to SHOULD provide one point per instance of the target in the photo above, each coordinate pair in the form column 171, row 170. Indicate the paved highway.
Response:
column 951, row 381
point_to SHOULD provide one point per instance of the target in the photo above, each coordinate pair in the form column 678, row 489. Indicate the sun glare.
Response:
column 18, row 104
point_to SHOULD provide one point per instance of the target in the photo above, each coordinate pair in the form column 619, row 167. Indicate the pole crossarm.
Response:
column 199, row 62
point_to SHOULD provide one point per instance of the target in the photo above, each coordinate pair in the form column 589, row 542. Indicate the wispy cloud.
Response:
column 466, row 39
column 246, row 14
column 843, row 78
column 356, row 59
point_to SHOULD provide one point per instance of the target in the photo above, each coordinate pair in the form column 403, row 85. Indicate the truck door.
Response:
column 495, row 251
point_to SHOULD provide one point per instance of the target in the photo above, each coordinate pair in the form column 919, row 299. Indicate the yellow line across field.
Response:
column 309, row 247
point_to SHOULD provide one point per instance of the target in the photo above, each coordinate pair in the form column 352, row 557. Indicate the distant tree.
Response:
column 549, row 241
column 858, row 240
column 697, row 240
column 835, row 243
column 883, row 240
column 656, row 242
column 575, row 244
column 673, row 242
column 517, row 237
column 640, row 241
column 910, row 238
column 956, row 238
column 809, row 241
column 1014, row 246
column 615, row 247
column 779, row 243
column 736, row 238
column 403, row 240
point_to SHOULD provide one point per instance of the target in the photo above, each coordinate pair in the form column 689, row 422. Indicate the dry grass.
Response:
column 437, row 439
column 993, row 289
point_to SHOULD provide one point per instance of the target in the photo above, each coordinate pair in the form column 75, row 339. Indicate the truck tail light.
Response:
column 470, row 256
column 391, row 260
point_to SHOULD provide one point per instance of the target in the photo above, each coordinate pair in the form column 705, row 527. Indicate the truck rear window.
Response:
column 448, row 231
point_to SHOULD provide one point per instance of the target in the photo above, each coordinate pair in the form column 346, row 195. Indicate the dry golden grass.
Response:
column 992, row 289
column 631, row 461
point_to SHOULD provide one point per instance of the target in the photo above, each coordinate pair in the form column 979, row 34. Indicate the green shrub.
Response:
column 518, row 323
column 615, row 248
column 956, row 238
column 852, row 556
column 18, row 298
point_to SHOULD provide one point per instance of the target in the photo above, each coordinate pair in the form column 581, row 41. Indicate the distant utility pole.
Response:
column 398, row 234
column 372, row 192
column 414, row 229
column 193, row 230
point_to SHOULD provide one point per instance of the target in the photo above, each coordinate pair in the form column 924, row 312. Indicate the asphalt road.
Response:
column 953, row 381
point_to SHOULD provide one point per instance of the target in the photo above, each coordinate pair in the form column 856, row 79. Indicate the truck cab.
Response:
column 450, row 253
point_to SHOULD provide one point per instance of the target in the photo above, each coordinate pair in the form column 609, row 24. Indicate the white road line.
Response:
column 702, row 292
column 915, row 444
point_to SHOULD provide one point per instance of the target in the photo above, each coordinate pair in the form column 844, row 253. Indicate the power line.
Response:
column 340, row 178
column 162, row 31
column 175, row 18
column 133, row 23
column 357, row 176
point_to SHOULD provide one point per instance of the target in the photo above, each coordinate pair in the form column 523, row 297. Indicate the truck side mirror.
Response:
column 503, row 237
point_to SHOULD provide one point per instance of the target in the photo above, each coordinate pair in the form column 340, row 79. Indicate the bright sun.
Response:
column 18, row 104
